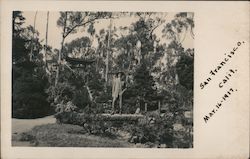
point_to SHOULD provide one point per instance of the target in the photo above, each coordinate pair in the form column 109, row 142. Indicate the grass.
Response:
column 65, row 135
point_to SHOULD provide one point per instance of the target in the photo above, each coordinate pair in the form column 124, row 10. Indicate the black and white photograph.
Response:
column 124, row 79
column 102, row 79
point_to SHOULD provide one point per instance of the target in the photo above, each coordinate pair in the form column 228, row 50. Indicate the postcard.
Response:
column 124, row 79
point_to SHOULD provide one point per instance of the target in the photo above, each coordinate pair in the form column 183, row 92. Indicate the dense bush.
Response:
column 155, row 130
column 92, row 123
column 29, row 99
column 71, row 118
column 29, row 81
column 61, row 92
column 185, row 70
column 151, row 130
column 74, row 86
column 81, row 98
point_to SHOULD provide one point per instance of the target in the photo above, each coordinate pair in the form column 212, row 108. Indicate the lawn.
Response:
column 65, row 135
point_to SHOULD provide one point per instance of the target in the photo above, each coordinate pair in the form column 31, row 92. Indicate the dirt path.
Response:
column 24, row 125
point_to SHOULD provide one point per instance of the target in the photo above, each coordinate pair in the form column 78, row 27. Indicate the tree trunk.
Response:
column 46, row 42
column 159, row 106
column 60, row 52
column 146, row 107
column 120, row 103
column 107, row 58
column 33, row 35
column 59, row 62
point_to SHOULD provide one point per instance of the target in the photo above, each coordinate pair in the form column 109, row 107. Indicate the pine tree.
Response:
column 144, row 84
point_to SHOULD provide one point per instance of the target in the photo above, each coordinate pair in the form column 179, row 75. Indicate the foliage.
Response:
column 78, row 19
column 81, row 98
column 143, row 89
column 185, row 71
column 79, row 45
column 28, row 76
column 80, row 93
column 67, row 135
column 154, row 130
column 177, row 28
column 19, row 51
column 70, row 23
column 17, row 21
column 91, row 122
column 65, row 107
column 28, row 96
column 62, row 92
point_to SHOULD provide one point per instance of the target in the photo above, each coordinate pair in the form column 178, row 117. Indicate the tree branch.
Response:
column 79, row 25
column 155, row 28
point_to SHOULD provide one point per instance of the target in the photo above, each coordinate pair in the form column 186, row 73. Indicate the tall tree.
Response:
column 17, row 21
column 33, row 37
column 108, row 52
column 18, row 43
column 71, row 22
column 144, row 85
column 28, row 80
column 177, row 29
column 46, row 41
column 175, row 32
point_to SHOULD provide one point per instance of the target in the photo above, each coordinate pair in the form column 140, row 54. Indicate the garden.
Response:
column 107, row 83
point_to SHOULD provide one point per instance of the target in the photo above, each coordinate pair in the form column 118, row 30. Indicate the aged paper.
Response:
column 221, row 79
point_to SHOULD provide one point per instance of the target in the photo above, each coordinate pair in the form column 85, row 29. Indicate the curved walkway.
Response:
column 24, row 125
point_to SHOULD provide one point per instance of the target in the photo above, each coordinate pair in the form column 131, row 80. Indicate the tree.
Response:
column 140, row 32
column 17, row 21
column 28, row 77
column 19, row 51
column 175, row 31
column 33, row 43
column 91, row 30
column 178, row 27
column 71, row 22
column 185, row 69
column 143, row 87
column 46, row 41
column 29, row 99
column 79, row 47
column 33, row 37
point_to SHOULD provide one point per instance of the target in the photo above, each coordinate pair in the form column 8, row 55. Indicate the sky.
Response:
column 55, row 32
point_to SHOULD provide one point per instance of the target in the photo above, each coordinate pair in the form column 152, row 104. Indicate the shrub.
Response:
column 26, row 137
column 154, row 130
column 81, row 98
column 62, row 92
column 151, row 130
column 185, row 70
column 29, row 99
column 92, row 124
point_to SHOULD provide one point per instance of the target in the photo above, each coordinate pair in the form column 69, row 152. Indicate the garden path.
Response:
column 24, row 125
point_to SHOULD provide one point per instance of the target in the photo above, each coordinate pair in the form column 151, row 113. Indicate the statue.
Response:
column 117, row 91
column 138, row 51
